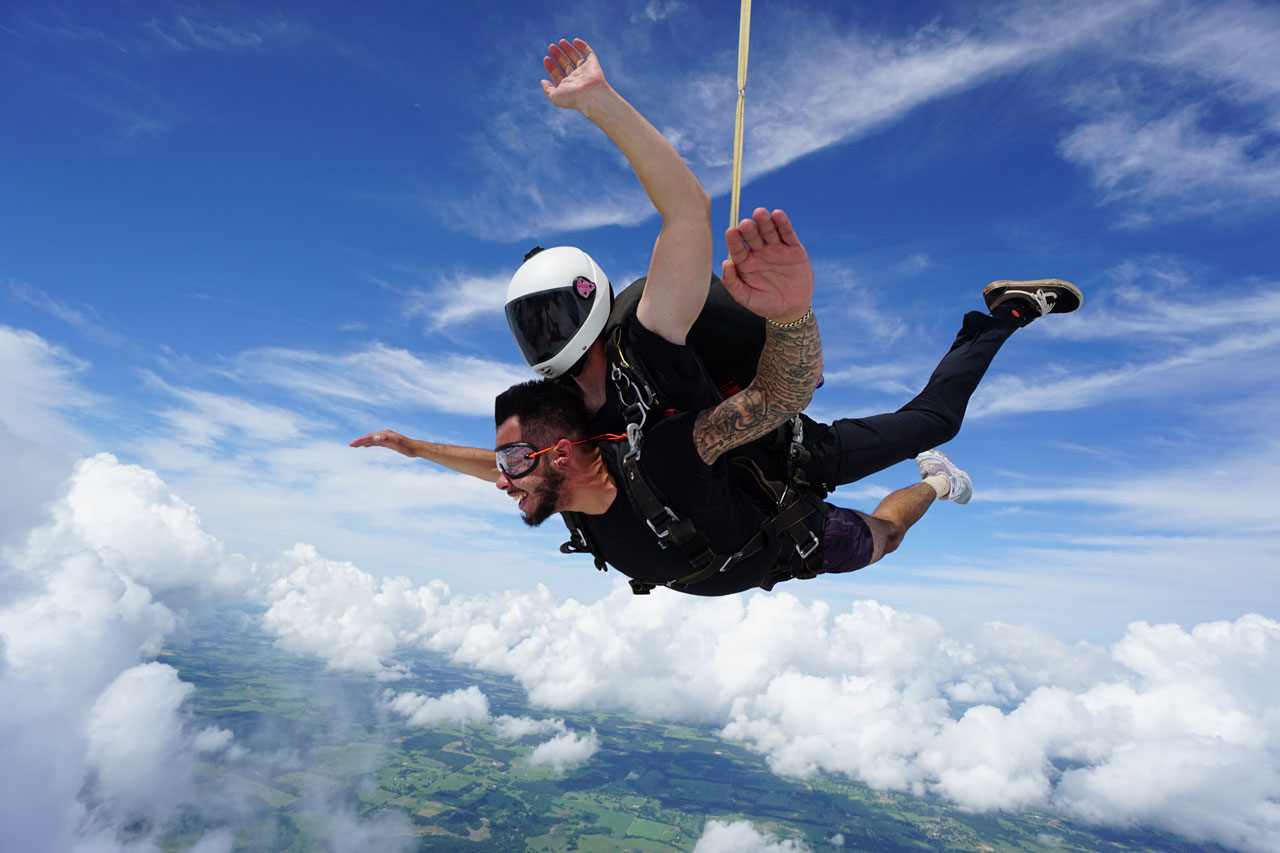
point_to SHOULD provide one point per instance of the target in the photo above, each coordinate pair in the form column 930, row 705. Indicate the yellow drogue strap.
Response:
column 744, row 39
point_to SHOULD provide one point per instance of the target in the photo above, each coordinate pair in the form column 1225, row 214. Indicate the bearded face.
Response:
column 542, row 498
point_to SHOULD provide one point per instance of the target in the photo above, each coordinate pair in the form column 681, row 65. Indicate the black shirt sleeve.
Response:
column 675, row 370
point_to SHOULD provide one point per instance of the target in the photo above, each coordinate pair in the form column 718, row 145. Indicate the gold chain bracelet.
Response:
column 794, row 323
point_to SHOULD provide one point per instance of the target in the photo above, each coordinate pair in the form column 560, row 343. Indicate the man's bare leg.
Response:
column 943, row 481
column 895, row 515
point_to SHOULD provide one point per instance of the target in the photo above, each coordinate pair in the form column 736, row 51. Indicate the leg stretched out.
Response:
column 852, row 448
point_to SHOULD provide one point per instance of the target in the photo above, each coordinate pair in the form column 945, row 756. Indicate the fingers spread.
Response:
column 768, row 232
column 571, row 51
column 785, row 229
column 557, row 55
column 553, row 69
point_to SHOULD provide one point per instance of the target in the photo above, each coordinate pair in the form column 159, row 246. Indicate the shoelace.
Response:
column 1044, row 301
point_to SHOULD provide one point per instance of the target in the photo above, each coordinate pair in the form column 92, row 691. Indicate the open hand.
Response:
column 768, row 270
column 575, row 73
column 389, row 439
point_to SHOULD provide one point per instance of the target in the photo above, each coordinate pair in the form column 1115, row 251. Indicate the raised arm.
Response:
column 677, row 284
column 476, row 461
column 769, row 273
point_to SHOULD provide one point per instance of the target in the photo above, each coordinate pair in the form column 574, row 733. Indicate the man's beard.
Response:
column 544, row 499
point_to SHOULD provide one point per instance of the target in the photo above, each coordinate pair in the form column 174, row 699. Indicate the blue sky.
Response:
column 244, row 235
column 233, row 237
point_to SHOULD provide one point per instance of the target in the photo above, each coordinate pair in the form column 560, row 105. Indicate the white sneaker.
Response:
column 936, row 462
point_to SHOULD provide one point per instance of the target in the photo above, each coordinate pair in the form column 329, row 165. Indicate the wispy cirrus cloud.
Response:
column 382, row 375
column 193, row 28
column 1173, row 166
column 840, row 84
column 457, row 300
column 1184, row 124
column 84, row 318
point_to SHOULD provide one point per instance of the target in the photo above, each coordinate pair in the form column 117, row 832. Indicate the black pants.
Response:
column 853, row 448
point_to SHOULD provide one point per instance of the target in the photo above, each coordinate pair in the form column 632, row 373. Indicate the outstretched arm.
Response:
column 677, row 284
column 769, row 273
column 476, row 461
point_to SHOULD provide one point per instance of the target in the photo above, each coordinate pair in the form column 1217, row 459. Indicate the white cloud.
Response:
column 565, row 750
column 207, row 418
column 1180, row 119
column 40, row 389
column 459, row 300
column 508, row 727
column 1200, row 352
column 1172, row 166
column 138, row 751
column 902, row 679
column 855, row 81
column 99, row 587
column 85, row 319
column 193, row 31
column 466, row 705
column 741, row 836
column 385, row 376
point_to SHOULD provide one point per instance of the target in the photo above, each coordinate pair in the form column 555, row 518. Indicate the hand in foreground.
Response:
column 575, row 73
column 388, row 439
column 768, row 271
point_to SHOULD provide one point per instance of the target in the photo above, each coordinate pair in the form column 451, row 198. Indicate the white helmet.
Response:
column 557, row 305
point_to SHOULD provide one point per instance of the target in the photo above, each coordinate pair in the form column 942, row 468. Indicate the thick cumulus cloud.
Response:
column 566, row 750
column 467, row 705
column 742, row 837
column 1185, row 722
column 1169, row 727
column 96, row 738
column 508, row 727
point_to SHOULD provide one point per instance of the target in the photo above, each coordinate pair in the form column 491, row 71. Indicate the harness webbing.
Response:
column 794, row 504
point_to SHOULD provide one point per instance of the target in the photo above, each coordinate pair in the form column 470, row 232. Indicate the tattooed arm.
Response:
column 790, row 367
column 768, row 272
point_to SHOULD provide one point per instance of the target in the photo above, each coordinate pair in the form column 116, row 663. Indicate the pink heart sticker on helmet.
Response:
column 584, row 286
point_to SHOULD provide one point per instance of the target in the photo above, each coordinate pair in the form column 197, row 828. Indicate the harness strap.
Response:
column 579, row 542
column 795, row 502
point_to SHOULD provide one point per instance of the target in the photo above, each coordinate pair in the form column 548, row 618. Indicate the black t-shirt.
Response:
column 676, row 371
column 703, row 493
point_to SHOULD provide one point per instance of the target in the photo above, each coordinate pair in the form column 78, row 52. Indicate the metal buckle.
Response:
column 633, row 443
column 813, row 546
column 622, row 381
column 729, row 561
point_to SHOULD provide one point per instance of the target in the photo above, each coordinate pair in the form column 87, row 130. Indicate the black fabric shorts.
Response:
column 847, row 543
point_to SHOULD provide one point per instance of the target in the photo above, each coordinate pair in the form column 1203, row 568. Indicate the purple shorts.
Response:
column 847, row 544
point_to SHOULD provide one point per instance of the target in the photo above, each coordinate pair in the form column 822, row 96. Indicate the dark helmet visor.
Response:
column 542, row 323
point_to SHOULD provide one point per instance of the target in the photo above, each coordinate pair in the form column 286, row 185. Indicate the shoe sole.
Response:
column 1069, row 297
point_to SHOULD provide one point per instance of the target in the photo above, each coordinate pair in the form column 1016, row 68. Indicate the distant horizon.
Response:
column 236, row 238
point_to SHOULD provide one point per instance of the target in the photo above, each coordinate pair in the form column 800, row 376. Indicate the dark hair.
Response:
column 548, row 411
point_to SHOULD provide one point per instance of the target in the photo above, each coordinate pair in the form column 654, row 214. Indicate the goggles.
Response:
column 520, row 458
